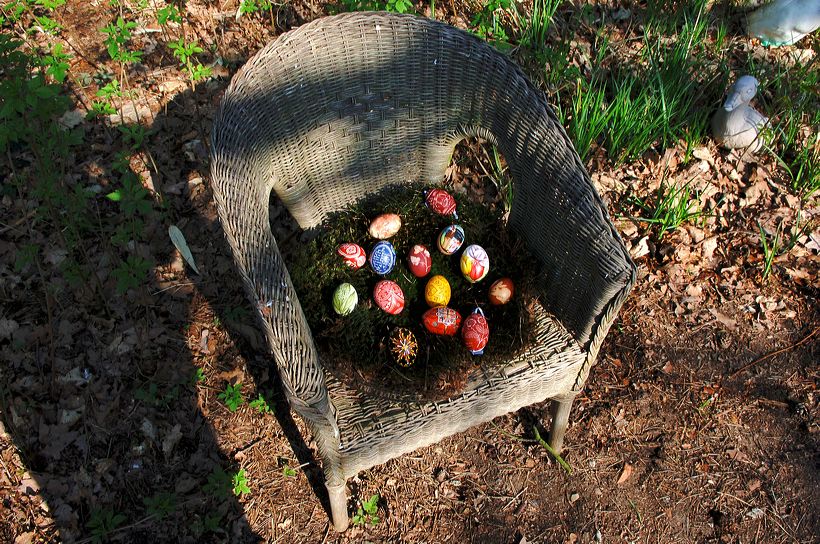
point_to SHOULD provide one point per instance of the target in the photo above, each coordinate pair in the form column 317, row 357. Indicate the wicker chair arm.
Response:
column 243, row 205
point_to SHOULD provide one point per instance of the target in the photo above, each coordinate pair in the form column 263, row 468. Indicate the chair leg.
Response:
column 559, row 408
column 338, row 506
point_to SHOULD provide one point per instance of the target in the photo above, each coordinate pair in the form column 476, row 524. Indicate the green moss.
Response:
column 358, row 343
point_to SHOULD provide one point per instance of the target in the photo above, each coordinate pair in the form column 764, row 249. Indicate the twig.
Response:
column 772, row 354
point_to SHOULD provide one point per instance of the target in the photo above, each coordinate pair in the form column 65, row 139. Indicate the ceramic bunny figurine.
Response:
column 736, row 124
column 783, row 22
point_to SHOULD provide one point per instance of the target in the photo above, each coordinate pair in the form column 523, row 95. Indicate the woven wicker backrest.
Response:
column 345, row 105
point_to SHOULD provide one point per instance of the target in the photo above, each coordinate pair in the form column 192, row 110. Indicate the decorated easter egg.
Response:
column 389, row 297
column 353, row 255
column 501, row 291
column 475, row 263
column 383, row 258
column 441, row 320
column 475, row 332
column 441, row 202
column 345, row 299
column 385, row 226
column 437, row 291
column 450, row 239
column 419, row 261
column 403, row 346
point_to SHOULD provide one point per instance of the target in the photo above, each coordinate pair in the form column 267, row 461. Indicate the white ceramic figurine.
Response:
column 736, row 124
column 783, row 22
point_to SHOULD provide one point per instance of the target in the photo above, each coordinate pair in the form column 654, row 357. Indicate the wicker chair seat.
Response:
column 344, row 106
column 375, row 430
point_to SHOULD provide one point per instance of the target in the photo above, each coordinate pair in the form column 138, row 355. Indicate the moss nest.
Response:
column 356, row 348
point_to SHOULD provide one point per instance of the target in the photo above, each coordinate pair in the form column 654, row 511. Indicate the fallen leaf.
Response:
column 178, row 239
column 625, row 474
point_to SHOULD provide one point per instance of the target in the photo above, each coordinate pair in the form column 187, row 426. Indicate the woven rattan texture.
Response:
column 345, row 105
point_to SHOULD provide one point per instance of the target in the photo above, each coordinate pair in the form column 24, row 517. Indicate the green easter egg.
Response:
column 345, row 299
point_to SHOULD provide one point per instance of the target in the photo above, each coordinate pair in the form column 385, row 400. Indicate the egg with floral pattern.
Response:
column 475, row 263
column 353, row 255
column 475, row 332
column 419, row 261
column 440, row 202
column 389, row 297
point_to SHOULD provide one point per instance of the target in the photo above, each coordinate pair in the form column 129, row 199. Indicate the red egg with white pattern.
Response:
column 353, row 254
column 389, row 297
column 501, row 291
column 475, row 332
column 442, row 320
column 419, row 261
column 441, row 202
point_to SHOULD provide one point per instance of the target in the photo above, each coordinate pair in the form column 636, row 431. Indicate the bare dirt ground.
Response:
column 698, row 424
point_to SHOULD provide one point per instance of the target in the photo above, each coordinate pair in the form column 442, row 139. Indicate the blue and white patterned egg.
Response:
column 383, row 258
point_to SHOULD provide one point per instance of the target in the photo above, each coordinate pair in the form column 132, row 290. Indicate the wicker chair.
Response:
column 345, row 105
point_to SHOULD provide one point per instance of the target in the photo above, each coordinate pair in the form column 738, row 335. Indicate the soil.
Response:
column 699, row 423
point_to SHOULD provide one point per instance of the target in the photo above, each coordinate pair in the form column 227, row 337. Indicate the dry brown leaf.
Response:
column 625, row 474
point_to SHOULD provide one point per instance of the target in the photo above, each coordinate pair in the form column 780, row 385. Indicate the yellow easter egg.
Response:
column 437, row 292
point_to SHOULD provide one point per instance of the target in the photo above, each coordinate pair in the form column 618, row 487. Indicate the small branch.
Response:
column 552, row 452
column 772, row 354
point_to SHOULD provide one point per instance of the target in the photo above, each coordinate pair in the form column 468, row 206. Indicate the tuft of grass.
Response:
column 672, row 206
column 589, row 116
column 535, row 29
column 771, row 247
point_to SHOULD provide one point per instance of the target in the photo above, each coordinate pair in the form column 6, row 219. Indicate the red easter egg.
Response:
column 475, row 332
column 389, row 297
column 441, row 320
column 353, row 255
column 501, row 291
column 441, row 202
column 419, row 261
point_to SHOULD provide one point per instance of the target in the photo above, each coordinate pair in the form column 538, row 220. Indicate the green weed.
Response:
column 260, row 405
column 103, row 523
column 232, row 396
column 161, row 504
column 366, row 513
column 288, row 472
column 239, row 483
column 490, row 23
column 219, row 483
column 119, row 34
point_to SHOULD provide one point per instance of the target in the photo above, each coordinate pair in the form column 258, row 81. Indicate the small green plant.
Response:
column 185, row 53
column 671, row 207
column 590, row 116
column 210, row 523
column 489, row 23
column 103, row 523
column 239, row 483
column 161, row 504
column 169, row 13
column 534, row 34
column 260, row 405
column 219, row 483
column 232, row 396
column 366, row 513
column 199, row 376
column 131, row 272
column 288, row 471
column 399, row 6
column 119, row 34
column 771, row 248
